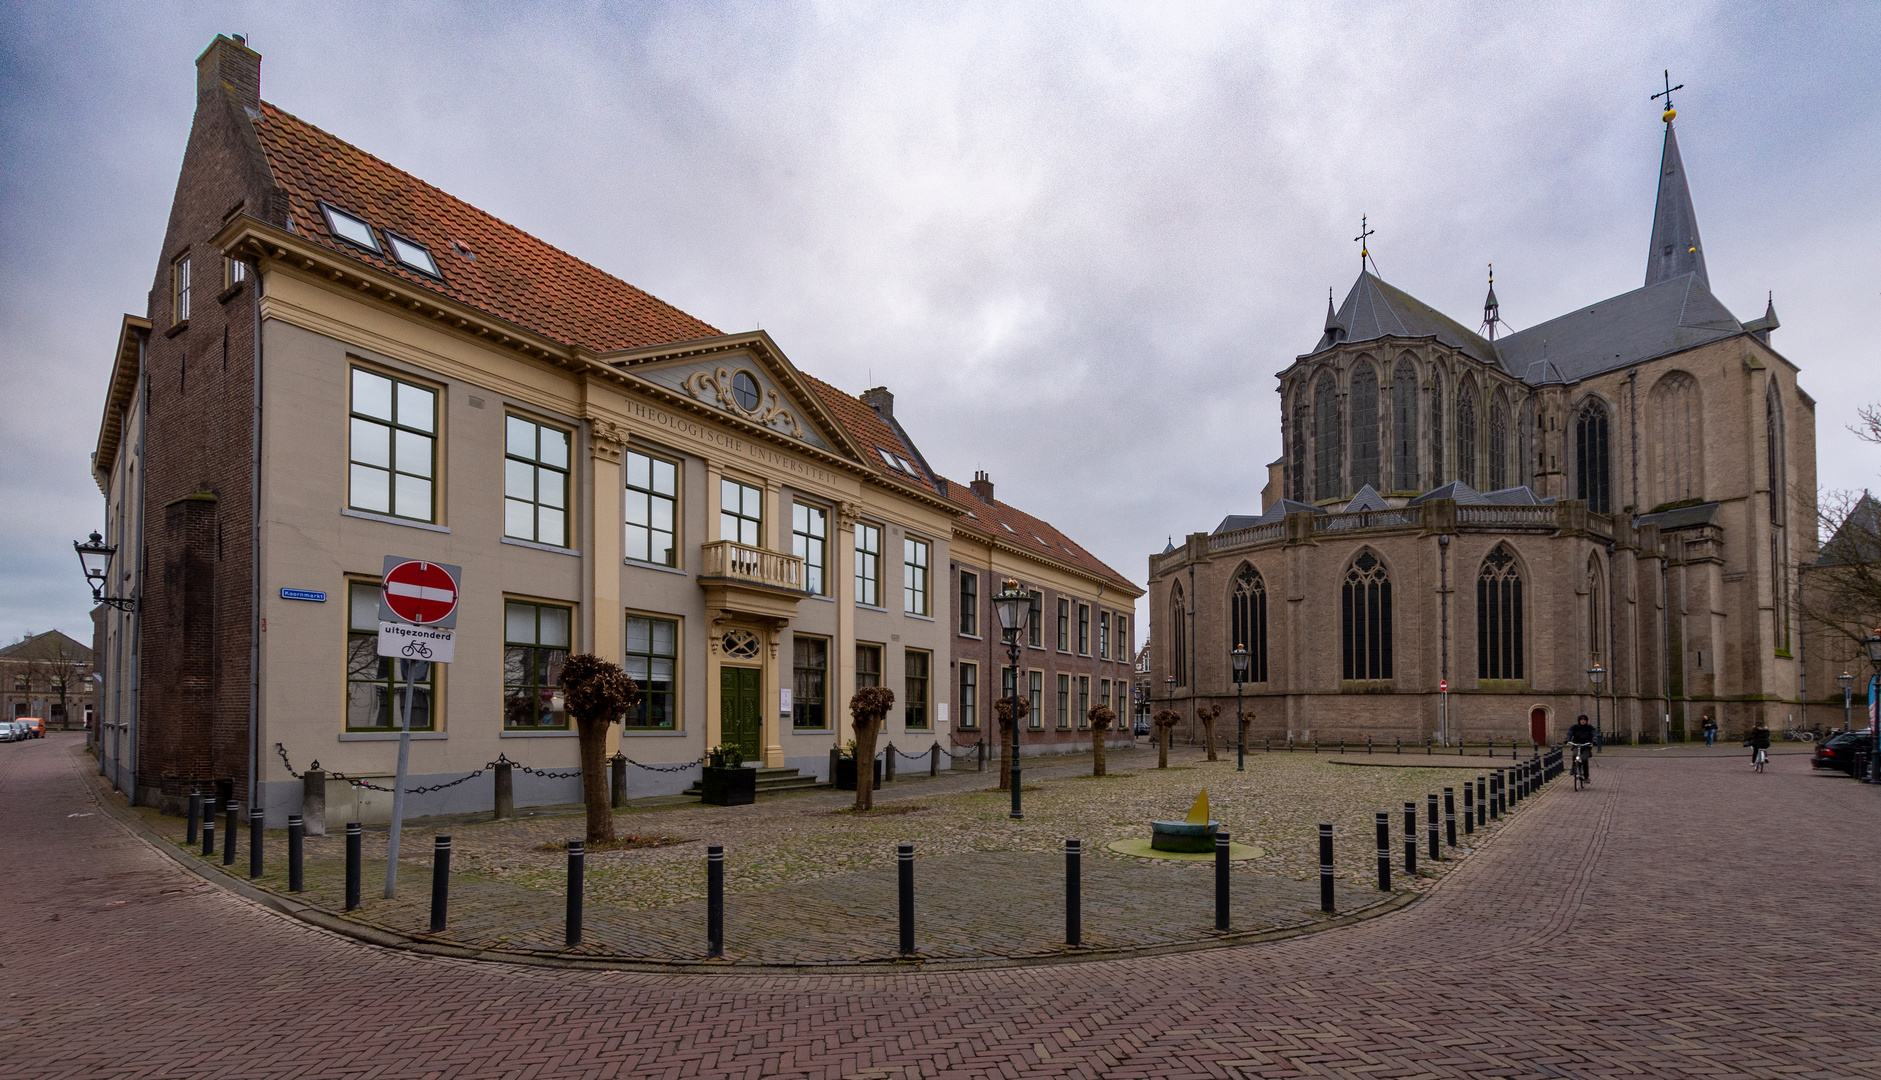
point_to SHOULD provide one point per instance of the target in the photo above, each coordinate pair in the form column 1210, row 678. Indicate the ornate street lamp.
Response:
column 1597, row 675
column 1015, row 607
column 1848, row 701
column 1240, row 656
column 94, row 557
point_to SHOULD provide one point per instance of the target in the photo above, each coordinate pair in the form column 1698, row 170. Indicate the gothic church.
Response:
column 1601, row 512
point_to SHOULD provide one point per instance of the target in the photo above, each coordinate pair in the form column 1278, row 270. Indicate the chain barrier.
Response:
column 426, row 789
column 682, row 767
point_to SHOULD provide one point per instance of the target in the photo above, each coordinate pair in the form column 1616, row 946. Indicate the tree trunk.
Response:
column 594, row 794
column 1162, row 747
column 1097, row 750
column 1208, row 736
column 865, row 765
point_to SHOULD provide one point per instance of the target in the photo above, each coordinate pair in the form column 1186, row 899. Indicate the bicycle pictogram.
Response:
column 417, row 649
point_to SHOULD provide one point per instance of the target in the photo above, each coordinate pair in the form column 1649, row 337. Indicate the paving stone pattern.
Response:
column 1682, row 918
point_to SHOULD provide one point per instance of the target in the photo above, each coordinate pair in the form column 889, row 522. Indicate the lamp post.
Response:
column 94, row 556
column 1014, row 606
column 1240, row 656
column 1874, row 729
column 1170, row 682
column 1848, row 706
column 1597, row 675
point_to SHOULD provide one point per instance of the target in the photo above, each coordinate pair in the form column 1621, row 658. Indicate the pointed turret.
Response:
column 1333, row 330
column 1760, row 328
column 1492, row 311
column 1675, row 247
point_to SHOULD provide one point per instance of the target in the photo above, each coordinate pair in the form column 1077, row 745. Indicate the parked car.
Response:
column 35, row 727
column 9, row 731
column 1838, row 752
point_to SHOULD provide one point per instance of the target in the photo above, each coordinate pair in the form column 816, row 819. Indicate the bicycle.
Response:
column 1581, row 769
column 1799, row 735
column 1757, row 759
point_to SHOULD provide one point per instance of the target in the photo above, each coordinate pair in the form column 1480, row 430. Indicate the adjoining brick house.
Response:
column 48, row 676
column 340, row 362
column 1630, row 486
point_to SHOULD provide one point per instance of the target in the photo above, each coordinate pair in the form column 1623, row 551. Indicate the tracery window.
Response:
column 1779, row 535
column 1365, row 619
column 1675, row 443
column 1592, row 477
column 1498, row 446
column 1296, row 476
column 1178, row 637
column 1525, row 445
column 1499, row 617
column 1466, row 436
column 1436, row 431
column 1248, row 620
column 1364, row 427
column 1404, row 426
column 1325, row 437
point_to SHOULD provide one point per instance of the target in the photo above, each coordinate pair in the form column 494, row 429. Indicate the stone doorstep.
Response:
column 392, row 938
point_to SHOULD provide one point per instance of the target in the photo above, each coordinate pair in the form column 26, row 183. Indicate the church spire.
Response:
column 1333, row 330
column 1492, row 310
column 1675, row 246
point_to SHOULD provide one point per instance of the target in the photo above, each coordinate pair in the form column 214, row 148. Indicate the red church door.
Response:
column 1538, row 726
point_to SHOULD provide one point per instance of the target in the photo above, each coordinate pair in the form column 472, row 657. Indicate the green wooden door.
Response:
column 739, row 722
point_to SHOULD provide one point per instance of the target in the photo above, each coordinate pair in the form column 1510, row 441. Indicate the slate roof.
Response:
column 1014, row 526
column 1685, row 517
column 1676, row 250
column 1464, row 495
column 514, row 275
column 1366, row 499
column 1375, row 309
column 1856, row 538
column 866, row 428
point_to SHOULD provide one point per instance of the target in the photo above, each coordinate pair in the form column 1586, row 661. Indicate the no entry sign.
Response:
column 419, row 592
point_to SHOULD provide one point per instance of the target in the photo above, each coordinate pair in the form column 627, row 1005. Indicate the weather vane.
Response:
column 1670, row 112
column 1364, row 248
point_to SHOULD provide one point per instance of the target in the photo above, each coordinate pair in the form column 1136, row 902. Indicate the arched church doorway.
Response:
column 1538, row 726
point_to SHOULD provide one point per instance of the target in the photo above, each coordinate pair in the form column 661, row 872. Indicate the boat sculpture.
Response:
column 1193, row 834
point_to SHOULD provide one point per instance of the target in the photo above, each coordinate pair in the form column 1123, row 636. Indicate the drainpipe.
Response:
column 1443, row 591
column 254, row 556
column 137, row 609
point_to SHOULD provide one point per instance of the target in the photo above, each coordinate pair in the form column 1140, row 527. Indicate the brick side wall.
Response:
column 197, row 628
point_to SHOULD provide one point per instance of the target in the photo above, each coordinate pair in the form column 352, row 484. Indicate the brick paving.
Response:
column 1685, row 917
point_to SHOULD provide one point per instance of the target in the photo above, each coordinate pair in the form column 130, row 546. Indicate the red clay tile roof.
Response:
column 514, row 275
column 1028, row 533
column 869, row 432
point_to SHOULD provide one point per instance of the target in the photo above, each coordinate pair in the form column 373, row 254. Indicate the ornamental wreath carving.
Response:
column 742, row 395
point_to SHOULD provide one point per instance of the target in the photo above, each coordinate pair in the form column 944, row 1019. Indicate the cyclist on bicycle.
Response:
column 1759, row 743
column 1580, row 738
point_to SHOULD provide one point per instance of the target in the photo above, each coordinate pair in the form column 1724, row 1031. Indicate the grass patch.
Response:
column 631, row 842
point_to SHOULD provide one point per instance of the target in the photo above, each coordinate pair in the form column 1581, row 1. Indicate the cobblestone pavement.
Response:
column 1684, row 917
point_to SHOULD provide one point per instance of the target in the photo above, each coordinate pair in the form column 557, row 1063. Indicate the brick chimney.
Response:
column 983, row 486
column 881, row 401
column 229, row 65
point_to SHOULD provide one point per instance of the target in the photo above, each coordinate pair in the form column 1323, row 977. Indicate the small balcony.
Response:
column 746, row 580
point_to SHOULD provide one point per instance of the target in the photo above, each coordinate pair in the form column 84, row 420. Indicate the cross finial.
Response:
column 1670, row 112
column 1364, row 252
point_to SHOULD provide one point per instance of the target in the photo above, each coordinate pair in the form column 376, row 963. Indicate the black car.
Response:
column 1838, row 752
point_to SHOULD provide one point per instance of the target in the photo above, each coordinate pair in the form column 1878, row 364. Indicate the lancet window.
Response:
column 1365, row 619
column 1247, row 608
column 1404, row 426
column 1499, row 617
column 1178, row 637
column 1466, row 436
column 1325, row 437
column 1592, row 474
column 1498, row 446
column 1436, row 431
column 1365, row 427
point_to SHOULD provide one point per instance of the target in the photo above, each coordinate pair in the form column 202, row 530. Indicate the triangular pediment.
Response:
column 745, row 377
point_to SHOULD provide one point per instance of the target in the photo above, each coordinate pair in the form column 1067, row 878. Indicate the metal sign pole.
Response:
column 398, row 785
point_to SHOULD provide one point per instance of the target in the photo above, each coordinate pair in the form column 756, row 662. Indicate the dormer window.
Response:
column 349, row 228
column 412, row 255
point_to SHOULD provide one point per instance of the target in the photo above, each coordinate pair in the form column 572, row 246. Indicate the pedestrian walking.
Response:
column 1710, row 728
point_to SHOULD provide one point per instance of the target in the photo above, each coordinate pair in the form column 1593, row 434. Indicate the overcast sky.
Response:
column 1077, row 241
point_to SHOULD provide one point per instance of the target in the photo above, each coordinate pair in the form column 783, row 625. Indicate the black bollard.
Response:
column 1074, row 893
column 1449, row 815
column 1384, row 851
column 1315, row 744
column 1368, row 744
column 1482, row 802
column 440, row 882
column 715, row 901
column 1221, row 880
column 195, row 815
column 1342, row 747
column 904, row 859
column 209, row 834
column 617, row 780
column 1430, row 827
column 1511, row 749
column 296, row 833
column 231, row 818
column 255, row 825
column 1270, row 744
column 1400, row 744
column 1325, row 867
column 888, row 771
column 577, row 856
column 1426, row 746
column 1469, row 809
column 982, row 755
column 1410, row 839
column 933, row 760
column 352, row 865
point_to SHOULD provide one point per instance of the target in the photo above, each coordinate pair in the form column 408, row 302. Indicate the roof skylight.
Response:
column 351, row 229
column 887, row 457
column 412, row 254
column 1009, row 528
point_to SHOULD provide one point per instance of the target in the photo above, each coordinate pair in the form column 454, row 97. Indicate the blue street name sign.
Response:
column 304, row 594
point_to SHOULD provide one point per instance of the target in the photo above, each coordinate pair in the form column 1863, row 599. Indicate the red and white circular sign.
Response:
column 420, row 592
column 1444, row 685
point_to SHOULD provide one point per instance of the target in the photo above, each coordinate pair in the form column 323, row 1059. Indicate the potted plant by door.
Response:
column 726, row 781
column 846, row 769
